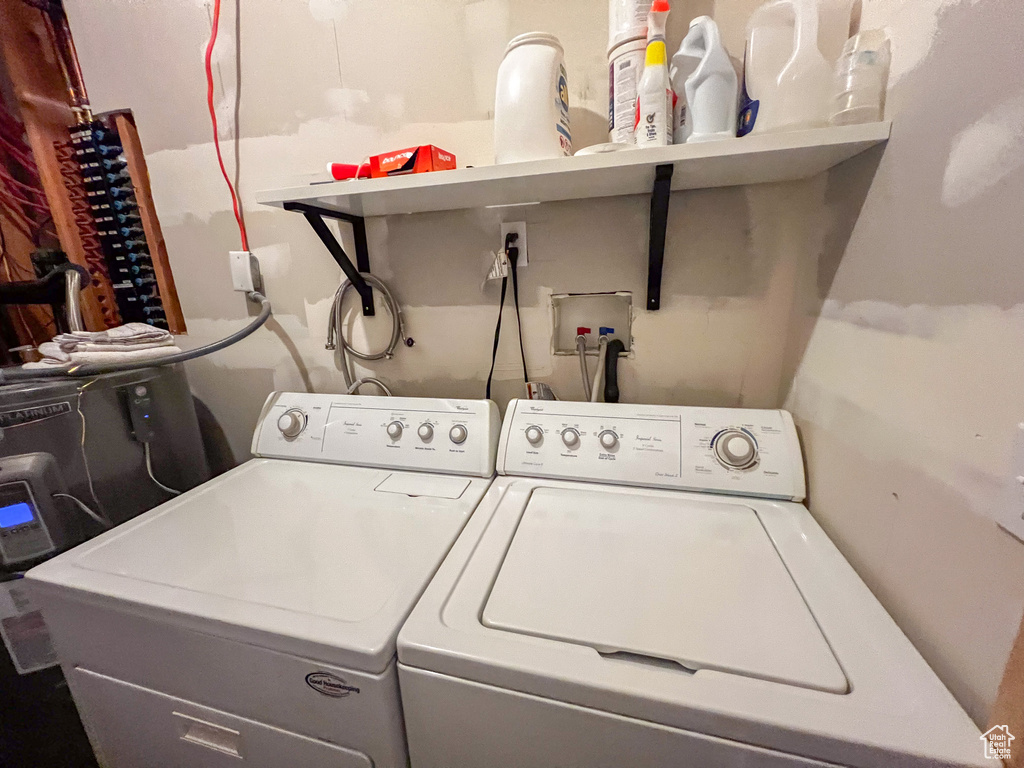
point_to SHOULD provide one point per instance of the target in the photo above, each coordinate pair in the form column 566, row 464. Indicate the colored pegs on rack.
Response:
column 129, row 231
column 124, row 218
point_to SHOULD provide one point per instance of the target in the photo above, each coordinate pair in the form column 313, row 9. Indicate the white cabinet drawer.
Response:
column 131, row 726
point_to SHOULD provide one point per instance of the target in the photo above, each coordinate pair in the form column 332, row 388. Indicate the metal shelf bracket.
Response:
column 315, row 216
column 656, row 240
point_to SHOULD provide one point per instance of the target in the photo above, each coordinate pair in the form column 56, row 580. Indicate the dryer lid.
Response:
column 699, row 584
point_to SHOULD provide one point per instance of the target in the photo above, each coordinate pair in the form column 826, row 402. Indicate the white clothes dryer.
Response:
column 253, row 619
column 642, row 588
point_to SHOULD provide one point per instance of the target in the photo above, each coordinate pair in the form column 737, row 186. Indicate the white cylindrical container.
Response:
column 625, row 66
column 860, row 79
column 531, row 103
column 627, row 20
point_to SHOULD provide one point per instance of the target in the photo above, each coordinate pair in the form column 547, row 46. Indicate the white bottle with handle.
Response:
column 786, row 79
column 710, row 85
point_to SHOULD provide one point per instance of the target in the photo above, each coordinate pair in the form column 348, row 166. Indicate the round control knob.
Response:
column 608, row 439
column 735, row 449
column 426, row 431
column 395, row 430
column 458, row 434
column 570, row 437
column 291, row 423
column 534, row 435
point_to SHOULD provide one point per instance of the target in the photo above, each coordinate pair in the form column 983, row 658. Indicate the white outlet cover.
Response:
column 1011, row 517
column 519, row 227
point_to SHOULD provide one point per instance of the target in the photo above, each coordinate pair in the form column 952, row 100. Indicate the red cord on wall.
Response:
column 213, row 119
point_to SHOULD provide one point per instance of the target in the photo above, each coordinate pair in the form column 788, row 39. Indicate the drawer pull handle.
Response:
column 209, row 735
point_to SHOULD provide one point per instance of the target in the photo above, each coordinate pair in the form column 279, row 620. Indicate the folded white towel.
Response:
column 127, row 335
column 103, row 358
column 90, row 346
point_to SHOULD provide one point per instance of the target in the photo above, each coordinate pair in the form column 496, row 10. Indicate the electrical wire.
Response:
column 216, row 132
column 86, row 509
column 81, row 447
column 149, row 471
column 336, row 331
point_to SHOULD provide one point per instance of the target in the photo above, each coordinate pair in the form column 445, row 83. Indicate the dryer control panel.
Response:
column 723, row 450
column 433, row 435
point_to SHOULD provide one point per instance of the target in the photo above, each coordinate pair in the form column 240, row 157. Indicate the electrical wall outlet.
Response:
column 245, row 271
column 519, row 227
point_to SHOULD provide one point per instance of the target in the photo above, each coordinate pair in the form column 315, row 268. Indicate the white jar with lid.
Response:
column 531, row 103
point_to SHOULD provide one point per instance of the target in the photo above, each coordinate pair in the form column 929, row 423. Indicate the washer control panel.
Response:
column 724, row 450
column 434, row 435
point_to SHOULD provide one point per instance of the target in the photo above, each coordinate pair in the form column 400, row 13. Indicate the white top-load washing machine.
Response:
column 641, row 589
column 252, row 621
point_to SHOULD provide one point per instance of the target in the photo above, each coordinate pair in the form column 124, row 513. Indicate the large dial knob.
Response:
column 395, row 430
column 735, row 449
column 292, row 422
column 426, row 431
column 608, row 439
column 458, row 434
column 571, row 437
column 534, row 435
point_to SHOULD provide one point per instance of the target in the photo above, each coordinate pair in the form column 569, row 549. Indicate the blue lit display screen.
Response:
column 16, row 514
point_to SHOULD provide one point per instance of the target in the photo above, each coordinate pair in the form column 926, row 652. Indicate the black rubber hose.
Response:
column 94, row 369
column 611, row 370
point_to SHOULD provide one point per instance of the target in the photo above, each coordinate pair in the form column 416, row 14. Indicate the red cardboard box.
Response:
column 413, row 160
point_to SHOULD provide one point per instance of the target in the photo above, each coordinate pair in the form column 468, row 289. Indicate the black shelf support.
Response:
column 656, row 241
column 315, row 216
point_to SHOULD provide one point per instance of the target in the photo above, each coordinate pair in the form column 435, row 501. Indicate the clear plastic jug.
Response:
column 787, row 81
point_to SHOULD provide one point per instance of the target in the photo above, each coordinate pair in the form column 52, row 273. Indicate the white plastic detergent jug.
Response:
column 786, row 79
column 531, row 103
column 702, row 71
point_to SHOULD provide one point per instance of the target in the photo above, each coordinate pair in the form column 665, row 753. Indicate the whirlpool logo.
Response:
column 329, row 685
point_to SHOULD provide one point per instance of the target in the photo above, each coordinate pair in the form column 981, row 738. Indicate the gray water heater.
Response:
column 65, row 446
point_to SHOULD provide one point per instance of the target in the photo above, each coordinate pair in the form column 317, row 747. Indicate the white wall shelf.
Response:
column 658, row 171
column 748, row 160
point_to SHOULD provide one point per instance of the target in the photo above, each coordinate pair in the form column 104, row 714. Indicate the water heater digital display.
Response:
column 16, row 514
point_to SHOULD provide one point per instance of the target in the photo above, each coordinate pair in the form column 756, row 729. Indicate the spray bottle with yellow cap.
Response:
column 654, row 94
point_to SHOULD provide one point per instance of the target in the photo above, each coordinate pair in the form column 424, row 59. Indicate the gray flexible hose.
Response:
column 79, row 371
column 368, row 380
column 581, row 350
column 336, row 334
column 73, row 299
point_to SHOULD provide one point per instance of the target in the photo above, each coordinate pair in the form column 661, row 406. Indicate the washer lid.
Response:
column 686, row 582
column 319, row 560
